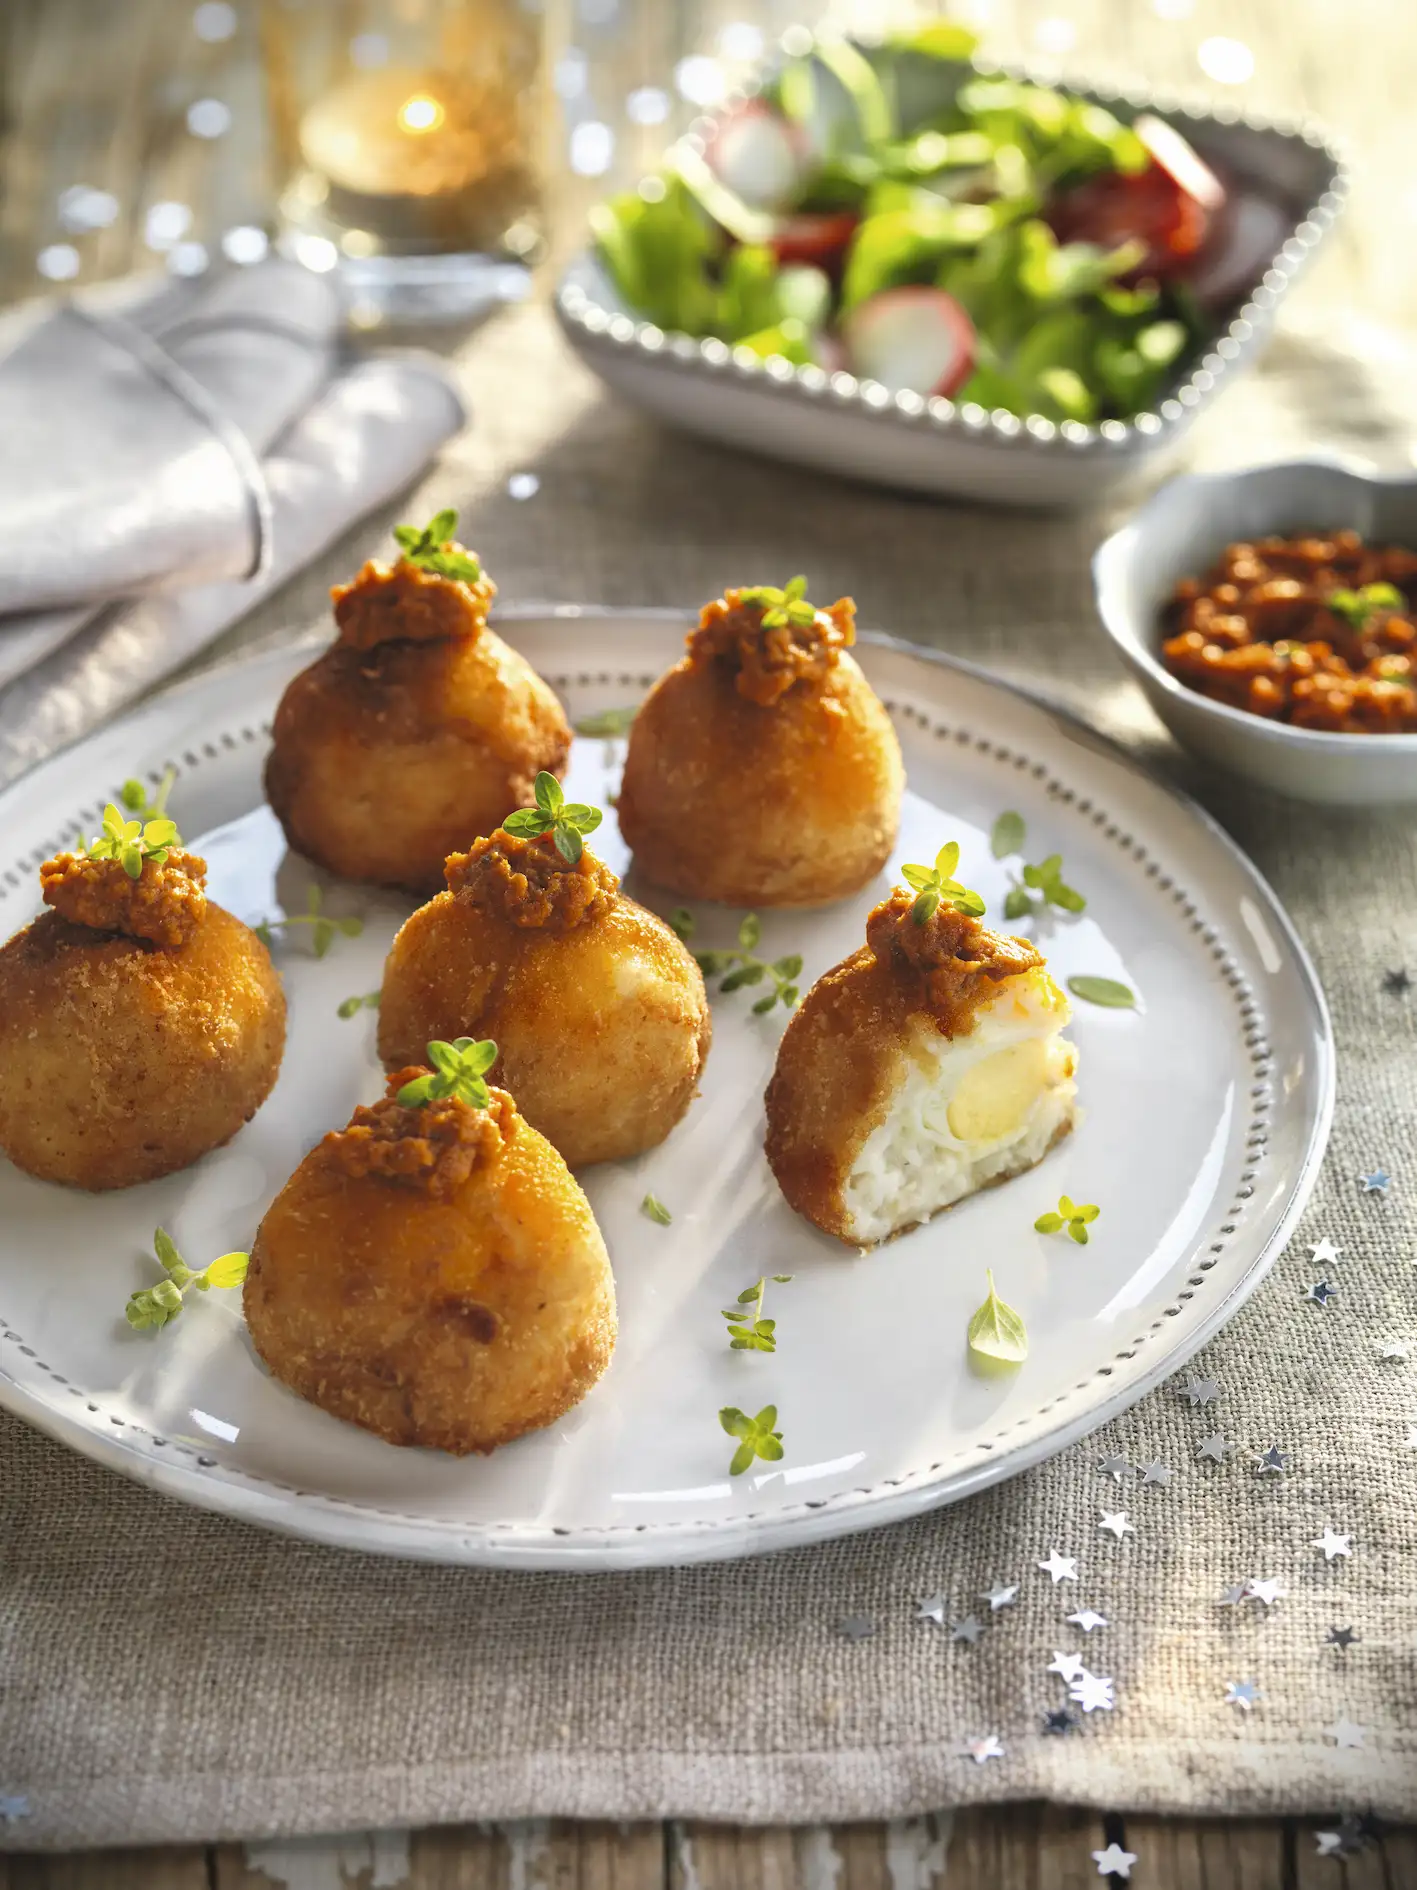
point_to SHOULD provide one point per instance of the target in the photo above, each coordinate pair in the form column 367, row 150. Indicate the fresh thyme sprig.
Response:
column 743, row 967
column 788, row 605
column 1109, row 992
column 433, row 548
column 566, row 821
column 1369, row 600
column 369, row 1001
column 656, row 1210
column 748, row 1331
column 323, row 929
column 756, row 1436
column 158, row 1305
column 132, row 842
column 1046, row 880
column 1008, row 834
column 134, row 796
column 607, row 723
column 997, row 1332
column 1071, row 1216
column 458, row 1071
column 934, row 887
column 682, row 923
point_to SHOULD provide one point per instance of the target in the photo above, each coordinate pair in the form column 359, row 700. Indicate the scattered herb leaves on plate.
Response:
column 1110, row 992
column 756, row 1435
column 323, row 929
column 157, row 1306
column 1008, row 835
column 607, row 723
column 743, row 967
column 748, row 1331
column 350, row 1005
column 656, row 1210
column 996, row 1331
column 1046, row 882
column 1070, row 1215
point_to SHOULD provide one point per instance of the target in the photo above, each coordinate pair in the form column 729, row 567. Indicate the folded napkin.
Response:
column 167, row 466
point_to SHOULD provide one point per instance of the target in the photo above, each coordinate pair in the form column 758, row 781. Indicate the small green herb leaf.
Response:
column 1072, row 1216
column 997, row 1332
column 681, row 922
column 323, row 929
column 133, row 842
column 1107, row 991
column 742, row 967
column 368, row 1002
column 779, row 607
column 1370, row 600
column 758, row 1436
column 1008, row 835
column 1017, row 905
column 134, row 797
column 566, row 821
column 152, row 1307
column 607, row 723
column 433, row 548
column 458, row 1071
column 934, row 885
column 656, row 1210
column 1045, row 879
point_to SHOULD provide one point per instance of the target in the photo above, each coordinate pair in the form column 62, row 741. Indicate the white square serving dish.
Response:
column 838, row 423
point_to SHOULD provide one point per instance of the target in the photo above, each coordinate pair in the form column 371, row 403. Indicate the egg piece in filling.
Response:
column 599, row 1010
column 416, row 730
column 140, row 1024
column 762, row 770
column 433, row 1273
column 929, row 1064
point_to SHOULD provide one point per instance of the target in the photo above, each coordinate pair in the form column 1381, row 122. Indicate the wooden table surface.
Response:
column 96, row 92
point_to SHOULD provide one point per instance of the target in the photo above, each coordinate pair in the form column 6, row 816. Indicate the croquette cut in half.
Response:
column 927, row 1065
column 140, row 1024
column 599, row 1010
column 417, row 729
column 432, row 1272
column 762, row 770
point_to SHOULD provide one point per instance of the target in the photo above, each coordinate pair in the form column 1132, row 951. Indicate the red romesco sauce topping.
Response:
column 953, row 959
column 164, row 904
column 770, row 660
column 433, row 1148
column 528, row 882
column 403, row 603
column 1259, row 632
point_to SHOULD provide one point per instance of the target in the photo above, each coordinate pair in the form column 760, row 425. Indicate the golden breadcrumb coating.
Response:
column 602, row 1025
column 121, row 1059
column 385, row 761
column 164, row 904
column 527, row 881
column 404, row 603
column 457, row 1318
column 434, row 1146
column 768, row 660
column 794, row 804
column 840, row 1059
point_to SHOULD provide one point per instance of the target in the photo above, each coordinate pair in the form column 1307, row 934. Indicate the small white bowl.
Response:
column 1179, row 533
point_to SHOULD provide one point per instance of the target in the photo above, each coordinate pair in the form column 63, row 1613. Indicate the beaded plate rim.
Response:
column 196, row 1475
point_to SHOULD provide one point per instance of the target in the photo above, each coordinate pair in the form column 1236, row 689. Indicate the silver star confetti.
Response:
column 856, row 1627
column 1114, row 1862
column 12, row 1809
column 1214, row 1447
column 1091, row 1691
column 1060, row 1720
column 1242, row 1693
column 1396, row 983
column 1156, row 1472
column 1267, row 1591
column 1062, row 1568
column 1235, row 1594
column 969, row 1629
column 1087, row 1619
column 1330, row 1843
column 981, row 1750
column 1067, row 1666
column 933, row 1608
column 1001, row 1597
column 1377, row 1183
column 1272, row 1462
column 1115, row 1467
column 1200, row 1391
column 1346, row 1735
column 1395, row 1353
column 1324, row 1253
column 1332, row 1543
column 1321, row 1293
column 1342, row 1638
column 1116, row 1522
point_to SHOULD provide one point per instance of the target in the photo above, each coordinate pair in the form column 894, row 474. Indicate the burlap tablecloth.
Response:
column 167, row 1674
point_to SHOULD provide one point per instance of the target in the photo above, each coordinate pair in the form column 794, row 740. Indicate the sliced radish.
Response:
column 912, row 340
column 1147, row 207
column 814, row 236
column 759, row 155
column 1181, row 161
column 1244, row 240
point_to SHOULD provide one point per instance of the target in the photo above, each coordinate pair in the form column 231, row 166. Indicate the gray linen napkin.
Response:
column 226, row 447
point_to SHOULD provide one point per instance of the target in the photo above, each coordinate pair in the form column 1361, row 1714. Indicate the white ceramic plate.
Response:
column 1206, row 1115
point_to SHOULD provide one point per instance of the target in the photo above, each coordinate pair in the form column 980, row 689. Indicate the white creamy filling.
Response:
column 966, row 1111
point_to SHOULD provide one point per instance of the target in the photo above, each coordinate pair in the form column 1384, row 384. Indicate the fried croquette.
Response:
column 929, row 1064
column 763, row 770
column 418, row 729
column 434, row 1274
column 140, row 1025
column 599, row 1010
